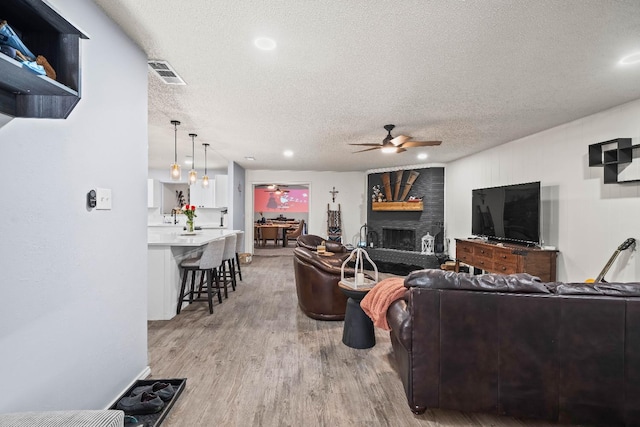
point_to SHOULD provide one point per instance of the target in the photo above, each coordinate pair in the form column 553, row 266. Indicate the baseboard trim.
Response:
column 142, row 375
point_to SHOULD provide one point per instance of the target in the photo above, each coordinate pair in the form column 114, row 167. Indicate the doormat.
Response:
column 154, row 420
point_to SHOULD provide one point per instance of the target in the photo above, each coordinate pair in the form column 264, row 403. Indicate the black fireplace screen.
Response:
column 397, row 238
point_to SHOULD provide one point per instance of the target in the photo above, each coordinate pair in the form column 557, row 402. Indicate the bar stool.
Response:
column 207, row 264
column 239, row 240
column 227, row 271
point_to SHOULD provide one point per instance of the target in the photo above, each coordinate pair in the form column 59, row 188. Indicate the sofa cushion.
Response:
column 606, row 289
column 440, row 279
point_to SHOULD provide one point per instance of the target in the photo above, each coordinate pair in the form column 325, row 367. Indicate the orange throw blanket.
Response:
column 378, row 300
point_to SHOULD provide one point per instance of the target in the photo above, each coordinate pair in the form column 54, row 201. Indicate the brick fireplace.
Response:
column 430, row 186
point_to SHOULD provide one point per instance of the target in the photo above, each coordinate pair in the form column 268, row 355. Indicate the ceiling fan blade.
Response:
column 369, row 145
column 400, row 150
column 410, row 144
column 400, row 139
column 367, row 149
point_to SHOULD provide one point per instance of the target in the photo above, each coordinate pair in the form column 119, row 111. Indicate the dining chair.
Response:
column 257, row 235
column 295, row 233
column 269, row 233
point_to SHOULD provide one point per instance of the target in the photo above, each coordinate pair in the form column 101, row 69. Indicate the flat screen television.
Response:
column 509, row 213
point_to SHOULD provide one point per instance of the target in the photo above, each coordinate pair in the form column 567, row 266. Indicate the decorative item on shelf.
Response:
column 427, row 244
column 176, row 173
column 205, row 178
column 190, row 213
column 359, row 280
column 193, row 175
column 377, row 195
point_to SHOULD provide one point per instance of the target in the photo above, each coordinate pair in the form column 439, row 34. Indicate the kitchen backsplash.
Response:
column 207, row 216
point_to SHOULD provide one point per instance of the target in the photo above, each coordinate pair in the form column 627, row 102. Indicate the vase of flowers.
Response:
column 190, row 212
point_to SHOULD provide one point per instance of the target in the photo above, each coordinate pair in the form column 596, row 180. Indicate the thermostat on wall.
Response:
column 103, row 198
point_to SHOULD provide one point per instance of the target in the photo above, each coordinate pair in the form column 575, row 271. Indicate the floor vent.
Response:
column 166, row 72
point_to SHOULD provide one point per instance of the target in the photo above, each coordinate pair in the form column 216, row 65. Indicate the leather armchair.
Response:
column 515, row 346
column 311, row 242
column 317, row 277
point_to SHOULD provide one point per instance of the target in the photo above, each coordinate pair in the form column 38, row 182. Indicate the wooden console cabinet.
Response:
column 507, row 258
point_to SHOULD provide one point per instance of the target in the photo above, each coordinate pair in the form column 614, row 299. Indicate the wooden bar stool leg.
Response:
column 193, row 286
column 232, row 274
column 238, row 264
column 223, row 277
column 209, row 274
column 182, row 289
column 217, row 277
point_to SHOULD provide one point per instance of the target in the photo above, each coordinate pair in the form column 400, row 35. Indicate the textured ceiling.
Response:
column 472, row 73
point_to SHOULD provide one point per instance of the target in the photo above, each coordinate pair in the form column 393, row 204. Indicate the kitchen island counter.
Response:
column 167, row 248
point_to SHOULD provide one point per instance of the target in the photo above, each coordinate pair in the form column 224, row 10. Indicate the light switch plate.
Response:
column 103, row 198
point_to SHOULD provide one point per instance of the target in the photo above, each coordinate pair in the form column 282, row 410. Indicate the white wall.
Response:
column 583, row 217
column 351, row 197
column 236, row 215
column 73, row 281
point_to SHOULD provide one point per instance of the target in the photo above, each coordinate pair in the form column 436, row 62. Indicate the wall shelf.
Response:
column 24, row 93
column 611, row 155
column 397, row 206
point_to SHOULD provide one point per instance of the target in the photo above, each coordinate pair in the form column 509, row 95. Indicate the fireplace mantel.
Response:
column 397, row 206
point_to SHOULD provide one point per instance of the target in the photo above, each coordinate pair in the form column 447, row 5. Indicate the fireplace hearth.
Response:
column 398, row 238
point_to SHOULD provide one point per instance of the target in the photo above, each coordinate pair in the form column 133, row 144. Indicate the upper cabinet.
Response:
column 202, row 197
column 154, row 193
column 214, row 196
column 43, row 31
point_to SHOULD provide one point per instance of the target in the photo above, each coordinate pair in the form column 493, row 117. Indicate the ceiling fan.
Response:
column 398, row 144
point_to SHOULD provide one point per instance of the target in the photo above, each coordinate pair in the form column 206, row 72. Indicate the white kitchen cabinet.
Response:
column 221, row 192
column 203, row 197
column 154, row 193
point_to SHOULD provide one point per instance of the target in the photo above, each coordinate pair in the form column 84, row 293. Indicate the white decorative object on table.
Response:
column 427, row 244
column 359, row 280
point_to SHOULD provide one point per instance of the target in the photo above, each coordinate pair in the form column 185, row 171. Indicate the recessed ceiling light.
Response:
column 250, row 158
column 188, row 161
column 634, row 58
column 288, row 153
column 265, row 43
column 422, row 156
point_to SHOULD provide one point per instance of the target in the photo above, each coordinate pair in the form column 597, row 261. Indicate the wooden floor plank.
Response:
column 259, row 361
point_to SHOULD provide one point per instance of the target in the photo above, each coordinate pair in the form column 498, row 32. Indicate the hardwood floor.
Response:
column 258, row 361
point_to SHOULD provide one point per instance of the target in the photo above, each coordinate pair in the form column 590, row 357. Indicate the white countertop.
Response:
column 171, row 237
column 204, row 226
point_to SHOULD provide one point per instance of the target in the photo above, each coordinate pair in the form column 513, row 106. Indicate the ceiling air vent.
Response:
column 166, row 72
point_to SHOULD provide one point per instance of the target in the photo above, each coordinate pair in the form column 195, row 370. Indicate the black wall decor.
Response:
column 612, row 156
column 430, row 186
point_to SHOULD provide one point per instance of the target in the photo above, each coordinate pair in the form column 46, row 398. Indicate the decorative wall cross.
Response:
column 333, row 194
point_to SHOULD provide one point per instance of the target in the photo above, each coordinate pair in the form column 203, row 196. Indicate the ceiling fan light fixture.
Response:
column 265, row 43
column 174, row 170
column 634, row 58
column 389, row 149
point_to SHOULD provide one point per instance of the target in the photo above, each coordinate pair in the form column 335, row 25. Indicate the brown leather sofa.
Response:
column 512, row 345
column 319, row 296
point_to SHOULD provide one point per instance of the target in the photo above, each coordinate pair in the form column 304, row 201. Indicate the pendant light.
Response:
column 205, row 178
column 176, row 173
column 193, row 175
